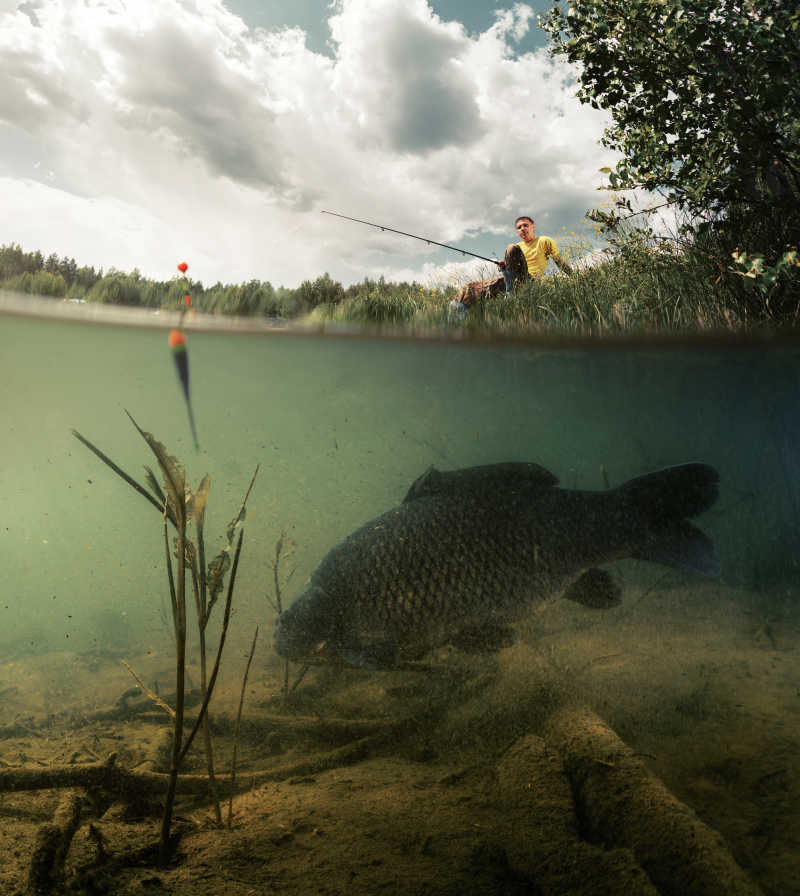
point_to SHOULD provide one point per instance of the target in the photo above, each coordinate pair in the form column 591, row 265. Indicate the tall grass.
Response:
column 637, row 285
column 736, row 271
column 409, row 305
column 642, row 289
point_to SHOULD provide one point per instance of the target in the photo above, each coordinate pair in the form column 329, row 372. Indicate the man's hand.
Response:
column 501, row 265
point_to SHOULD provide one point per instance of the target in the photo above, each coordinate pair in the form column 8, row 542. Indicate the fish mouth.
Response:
column 287, row 644
column 288, row 647
column 299, row 634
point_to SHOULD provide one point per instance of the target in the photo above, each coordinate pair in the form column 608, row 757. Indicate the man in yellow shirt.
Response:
column 527, row 258
column 536, row 249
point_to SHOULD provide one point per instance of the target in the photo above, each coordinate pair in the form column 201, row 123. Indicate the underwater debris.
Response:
column 52, row 843
column 623, row 804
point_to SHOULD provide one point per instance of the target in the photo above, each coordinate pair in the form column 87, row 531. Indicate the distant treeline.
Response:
column 31, row 272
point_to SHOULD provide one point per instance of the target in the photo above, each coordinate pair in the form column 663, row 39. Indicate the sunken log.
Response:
column 623, row 804
column 53, row 840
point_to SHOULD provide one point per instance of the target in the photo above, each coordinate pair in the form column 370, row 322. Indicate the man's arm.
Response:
column 552, row 252
column 561, row 263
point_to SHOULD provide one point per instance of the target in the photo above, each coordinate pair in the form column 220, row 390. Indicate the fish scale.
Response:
column 470, row 551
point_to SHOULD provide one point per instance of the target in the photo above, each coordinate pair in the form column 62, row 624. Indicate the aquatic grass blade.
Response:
column 241, row 514
column 196, row 505
column 174, row 473
column 223, row 634
column 121, row 473
column 150, row 476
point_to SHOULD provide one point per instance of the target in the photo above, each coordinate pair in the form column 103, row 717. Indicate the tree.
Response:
column 117, row 288
column 703, row 95
column 41, row 283
column 68, row 268
column 86, row 277
column 13, row 261
column 322, row 291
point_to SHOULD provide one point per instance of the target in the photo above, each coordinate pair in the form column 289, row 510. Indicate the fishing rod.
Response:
column 413, row 236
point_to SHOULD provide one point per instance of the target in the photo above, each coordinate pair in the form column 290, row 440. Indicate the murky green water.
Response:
column 340, row 427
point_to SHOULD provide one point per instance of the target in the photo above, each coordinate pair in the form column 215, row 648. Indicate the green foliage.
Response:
column 117, row 288
column 703, row 93
column 376, row 307
column 703, row 96
column 644, row 282
column 253, row 297
column 637, row 289
column 40, row 283
column 14, row 262
column 714, row 245
column 376, row 302
column 322, row 291
column 768, row 279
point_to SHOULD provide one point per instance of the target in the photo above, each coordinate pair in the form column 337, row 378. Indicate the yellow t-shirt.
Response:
column 536, row 253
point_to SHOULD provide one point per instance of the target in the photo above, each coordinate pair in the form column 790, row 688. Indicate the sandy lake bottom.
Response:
column 649, row 749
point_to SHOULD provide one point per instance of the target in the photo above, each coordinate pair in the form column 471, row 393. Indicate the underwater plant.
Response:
column 180, row 506
column 284, row 549
column 238, row 725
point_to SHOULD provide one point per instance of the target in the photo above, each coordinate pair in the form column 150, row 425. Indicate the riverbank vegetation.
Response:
column 30, row 272
column 640, row 282
column 61, row 278
column 702, row 97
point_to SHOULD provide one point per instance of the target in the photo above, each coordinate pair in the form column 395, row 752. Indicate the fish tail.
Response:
column 678, row 492
column 664, row 502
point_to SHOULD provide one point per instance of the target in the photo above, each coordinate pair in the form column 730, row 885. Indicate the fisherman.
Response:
column 525, row 259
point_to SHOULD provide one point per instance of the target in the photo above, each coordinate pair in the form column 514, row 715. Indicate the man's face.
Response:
column 526, row 228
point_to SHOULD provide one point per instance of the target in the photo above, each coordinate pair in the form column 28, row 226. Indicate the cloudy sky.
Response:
column 136, row 133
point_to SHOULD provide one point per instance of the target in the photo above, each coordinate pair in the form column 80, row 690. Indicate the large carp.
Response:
column 470, row 551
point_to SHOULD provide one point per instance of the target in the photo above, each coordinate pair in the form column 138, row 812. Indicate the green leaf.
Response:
column 196, row 503
column 172, row 469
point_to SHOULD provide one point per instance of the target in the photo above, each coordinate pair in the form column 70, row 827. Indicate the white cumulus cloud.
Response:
column 134, row 133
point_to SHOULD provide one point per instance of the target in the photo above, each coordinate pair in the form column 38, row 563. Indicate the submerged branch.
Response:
column 133, row 785
column 53, row 840
column 153, row 696
column 624, row 804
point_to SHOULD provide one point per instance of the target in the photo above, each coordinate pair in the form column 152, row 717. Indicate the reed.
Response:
column 238, row 725
column 179, row 507
column 638, row 285
column 284, row 550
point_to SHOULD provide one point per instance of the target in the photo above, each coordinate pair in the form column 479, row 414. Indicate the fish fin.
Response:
column 487, row 478
column 380, row 655
column 484, row 638
column 595, row 589
column 427, row 484
column 682, row 547
column 683, row 491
